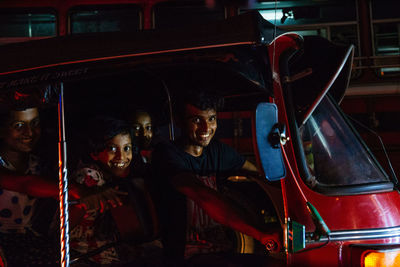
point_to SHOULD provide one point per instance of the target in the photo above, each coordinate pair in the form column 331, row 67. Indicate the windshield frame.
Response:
column 352, row 189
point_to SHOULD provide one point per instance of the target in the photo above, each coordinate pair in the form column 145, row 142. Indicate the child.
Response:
column 107, row 165
column 143, row 131
column 25, row 192
column 20, row 188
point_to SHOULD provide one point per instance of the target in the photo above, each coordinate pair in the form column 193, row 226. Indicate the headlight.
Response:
column 380, row 258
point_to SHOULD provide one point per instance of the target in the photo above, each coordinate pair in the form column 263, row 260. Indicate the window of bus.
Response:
column 386, row 29
column 23, row 25
column 183, row 13
column 334, row 21
column 105, row 18
column 288, row 13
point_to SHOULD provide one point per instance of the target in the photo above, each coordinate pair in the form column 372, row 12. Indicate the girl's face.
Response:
column 117, row 155
column 22, row 131
column 142, row 129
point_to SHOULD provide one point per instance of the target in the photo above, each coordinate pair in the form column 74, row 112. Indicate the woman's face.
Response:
column 22, row 131
column 117, row 155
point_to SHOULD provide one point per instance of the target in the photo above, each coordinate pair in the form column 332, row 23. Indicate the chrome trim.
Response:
column 360, row 234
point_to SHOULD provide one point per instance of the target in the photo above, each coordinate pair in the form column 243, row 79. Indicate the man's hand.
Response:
column 272, row 242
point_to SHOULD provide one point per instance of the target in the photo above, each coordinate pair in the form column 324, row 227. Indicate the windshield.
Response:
column 334, row 155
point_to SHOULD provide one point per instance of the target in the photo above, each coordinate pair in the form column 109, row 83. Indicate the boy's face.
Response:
column 199, row 125
column 142, row 129
column 22, row 131
column 117, row 155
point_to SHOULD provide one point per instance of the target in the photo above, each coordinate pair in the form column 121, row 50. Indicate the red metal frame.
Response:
column 347, row 212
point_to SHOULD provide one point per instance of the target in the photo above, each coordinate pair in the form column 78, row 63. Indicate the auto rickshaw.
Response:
column 335, row 204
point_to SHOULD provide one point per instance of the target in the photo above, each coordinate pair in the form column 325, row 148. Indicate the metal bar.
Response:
column 376, row 66
column 316, row 26
column 377, row 57
column 359, row 234
column 362, row 236
column 390, row 20
column 63, row 182
column 348, row 54
column 171, row 114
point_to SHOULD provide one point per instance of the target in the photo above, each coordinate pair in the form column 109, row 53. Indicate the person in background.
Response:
column 189, row 172
column 142, row 127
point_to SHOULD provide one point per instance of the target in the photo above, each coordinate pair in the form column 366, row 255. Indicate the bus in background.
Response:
column 27, row 20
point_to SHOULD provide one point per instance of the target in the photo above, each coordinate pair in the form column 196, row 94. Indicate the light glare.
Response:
column 382, row 259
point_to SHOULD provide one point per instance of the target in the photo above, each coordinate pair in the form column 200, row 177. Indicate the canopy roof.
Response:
column 249, row 28
column 234, row 48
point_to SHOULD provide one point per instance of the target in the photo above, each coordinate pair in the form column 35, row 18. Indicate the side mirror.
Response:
column 269, row 151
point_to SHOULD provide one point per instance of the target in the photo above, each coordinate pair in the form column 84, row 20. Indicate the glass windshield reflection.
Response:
column 334, row 155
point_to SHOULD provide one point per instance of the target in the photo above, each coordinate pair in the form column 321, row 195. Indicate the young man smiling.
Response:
column 190, row 171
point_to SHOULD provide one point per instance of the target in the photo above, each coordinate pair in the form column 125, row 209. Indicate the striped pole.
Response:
column 63, row 182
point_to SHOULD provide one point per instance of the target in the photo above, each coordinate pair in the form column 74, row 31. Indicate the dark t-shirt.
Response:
column 183, row 220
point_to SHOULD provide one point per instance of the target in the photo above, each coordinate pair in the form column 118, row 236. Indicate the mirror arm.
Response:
column 277, row 136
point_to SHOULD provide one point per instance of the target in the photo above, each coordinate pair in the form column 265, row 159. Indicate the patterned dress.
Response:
column 98, row 232
column 86, row 236
column 21, row 245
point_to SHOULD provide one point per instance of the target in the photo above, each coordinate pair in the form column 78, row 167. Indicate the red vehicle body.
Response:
column 348, row 209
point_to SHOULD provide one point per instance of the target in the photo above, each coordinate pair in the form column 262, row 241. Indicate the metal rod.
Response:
column 378, row 57
column 171, row 115
column 63, row 182
column 310, row 110
column 376, row 67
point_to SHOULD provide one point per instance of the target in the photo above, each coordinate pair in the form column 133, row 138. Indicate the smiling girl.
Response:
column 108, row 159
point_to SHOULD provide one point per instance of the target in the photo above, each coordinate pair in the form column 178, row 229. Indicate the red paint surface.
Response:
column 353, row 212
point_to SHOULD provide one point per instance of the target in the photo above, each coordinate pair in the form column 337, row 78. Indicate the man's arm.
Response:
column 219, row 207
column 32, row 185
column 38, row 186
